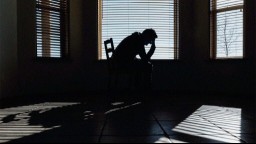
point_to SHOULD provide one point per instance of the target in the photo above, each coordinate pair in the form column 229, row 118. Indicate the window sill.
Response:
column 51, row 60
column 230, row 60
column 155, row 60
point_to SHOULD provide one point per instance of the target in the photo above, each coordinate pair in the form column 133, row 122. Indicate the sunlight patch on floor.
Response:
column 213, row 123
column 15, row 124
column 163, row 140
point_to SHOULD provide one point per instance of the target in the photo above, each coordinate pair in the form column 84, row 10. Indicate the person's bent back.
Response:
column 133, row 45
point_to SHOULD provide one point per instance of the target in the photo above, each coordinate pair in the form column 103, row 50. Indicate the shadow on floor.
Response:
column 158, row 121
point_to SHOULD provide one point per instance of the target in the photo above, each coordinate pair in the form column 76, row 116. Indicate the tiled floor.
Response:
column 159, row 122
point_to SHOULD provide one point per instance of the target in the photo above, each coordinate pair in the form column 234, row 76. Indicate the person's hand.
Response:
column 153, row 43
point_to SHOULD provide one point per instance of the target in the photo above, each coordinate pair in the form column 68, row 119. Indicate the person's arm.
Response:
column 146, row 57
column 151, row 51
column 142, row 54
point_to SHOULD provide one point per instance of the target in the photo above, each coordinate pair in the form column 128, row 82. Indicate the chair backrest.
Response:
column 109, row 49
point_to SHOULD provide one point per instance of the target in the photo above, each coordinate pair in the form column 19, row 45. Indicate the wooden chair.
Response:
column 115, row 75
column 110, row 49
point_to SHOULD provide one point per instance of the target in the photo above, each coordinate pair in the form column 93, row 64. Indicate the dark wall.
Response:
column 48, row 77
column 253, row 6
column 8, row 48
column 194, row 73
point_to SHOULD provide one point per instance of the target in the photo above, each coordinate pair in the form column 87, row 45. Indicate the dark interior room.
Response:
column 56, row 83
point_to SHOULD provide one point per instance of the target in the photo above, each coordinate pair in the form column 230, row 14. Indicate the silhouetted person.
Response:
column 125, row 54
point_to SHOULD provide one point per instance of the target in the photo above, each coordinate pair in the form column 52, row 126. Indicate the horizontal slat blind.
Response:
column 227, row 28
column 52, row 28
column 120, row 18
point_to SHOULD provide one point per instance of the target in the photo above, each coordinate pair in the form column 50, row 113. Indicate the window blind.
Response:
column 227, row 28
column 120, row 18
column 52, row 28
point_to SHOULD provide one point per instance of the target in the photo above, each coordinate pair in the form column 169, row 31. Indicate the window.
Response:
column 227, row 29
column 52, row 25
column 120, row 18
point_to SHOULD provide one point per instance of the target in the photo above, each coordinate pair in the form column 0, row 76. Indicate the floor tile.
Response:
column 136, row 113
column 190, row 138
column 248, row 138
column 132, row 128
column 168, row 126
column 148, row 139
column 170, row 116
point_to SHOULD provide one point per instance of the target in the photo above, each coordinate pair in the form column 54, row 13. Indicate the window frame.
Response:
column 64, row 31
column 176, row 32
column 213, row 29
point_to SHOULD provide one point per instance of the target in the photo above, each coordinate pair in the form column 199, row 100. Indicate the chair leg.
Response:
column 112, row 87
column 109, row 88
column 115, row 86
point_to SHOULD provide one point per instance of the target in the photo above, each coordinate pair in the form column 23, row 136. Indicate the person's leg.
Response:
column 125, row 80
column 119, row 69
column 148, row 75
column 148, row 68
column 144, row 79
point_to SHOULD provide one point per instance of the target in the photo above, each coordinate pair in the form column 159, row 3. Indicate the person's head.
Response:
column 149, row 35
